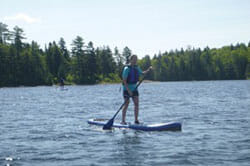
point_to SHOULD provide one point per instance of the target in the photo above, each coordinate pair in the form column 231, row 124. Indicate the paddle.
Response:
column 109, row 124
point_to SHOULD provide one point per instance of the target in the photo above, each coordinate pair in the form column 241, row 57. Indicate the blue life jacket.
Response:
column 133, row 75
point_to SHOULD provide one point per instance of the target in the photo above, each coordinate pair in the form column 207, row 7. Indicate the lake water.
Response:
column 48, row 126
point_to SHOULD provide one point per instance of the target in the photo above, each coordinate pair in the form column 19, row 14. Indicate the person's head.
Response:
column 133, row 60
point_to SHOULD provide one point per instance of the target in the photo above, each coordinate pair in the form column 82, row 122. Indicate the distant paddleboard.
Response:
column 63, row 89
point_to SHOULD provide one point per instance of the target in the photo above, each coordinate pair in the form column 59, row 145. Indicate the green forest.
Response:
column 27, row 64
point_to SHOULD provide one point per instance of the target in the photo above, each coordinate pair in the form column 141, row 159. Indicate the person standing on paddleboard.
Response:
column 130, row 76
column 61, row 83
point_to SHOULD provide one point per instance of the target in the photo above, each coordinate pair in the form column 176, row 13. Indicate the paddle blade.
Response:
column 108, row 125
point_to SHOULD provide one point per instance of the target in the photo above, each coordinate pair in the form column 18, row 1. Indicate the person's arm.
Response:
column 146, row 71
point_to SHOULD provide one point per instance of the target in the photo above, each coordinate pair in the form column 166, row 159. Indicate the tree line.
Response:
column 29, row 65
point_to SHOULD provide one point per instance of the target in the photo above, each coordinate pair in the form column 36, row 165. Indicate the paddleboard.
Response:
column 171, row 126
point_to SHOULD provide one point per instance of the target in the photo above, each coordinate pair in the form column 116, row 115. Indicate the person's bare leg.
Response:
column 136, row 104
column 124, row 111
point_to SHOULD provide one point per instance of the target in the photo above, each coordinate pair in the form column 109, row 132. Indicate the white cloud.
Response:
column 22, row 17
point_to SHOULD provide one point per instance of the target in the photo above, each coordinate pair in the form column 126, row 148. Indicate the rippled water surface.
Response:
column 47, row 126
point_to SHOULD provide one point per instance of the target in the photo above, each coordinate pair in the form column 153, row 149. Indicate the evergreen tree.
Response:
column 126, row 54
column 120, row 62
column 63, row 48
column 79, row 61
column 92, row 67
column 4, row 33
column 106, row 61
column 18, row 36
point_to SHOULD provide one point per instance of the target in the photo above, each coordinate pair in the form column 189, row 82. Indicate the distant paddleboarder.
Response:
column 130, row 76
column 61, row 83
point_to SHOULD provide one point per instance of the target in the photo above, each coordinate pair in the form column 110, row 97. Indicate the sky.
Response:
column 147, row 27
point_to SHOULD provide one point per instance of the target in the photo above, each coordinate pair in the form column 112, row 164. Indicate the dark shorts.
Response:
column 126, row 94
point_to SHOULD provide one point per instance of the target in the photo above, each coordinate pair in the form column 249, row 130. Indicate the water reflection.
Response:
column 130, row 148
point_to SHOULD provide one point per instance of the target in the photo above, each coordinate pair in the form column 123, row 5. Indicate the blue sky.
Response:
column 145, row 26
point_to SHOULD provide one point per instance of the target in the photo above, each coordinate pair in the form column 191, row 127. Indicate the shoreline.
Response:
column 110, row 83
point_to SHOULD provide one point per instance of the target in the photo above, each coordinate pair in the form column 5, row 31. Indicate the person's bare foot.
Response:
column 137, row 122
column 124, row 123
